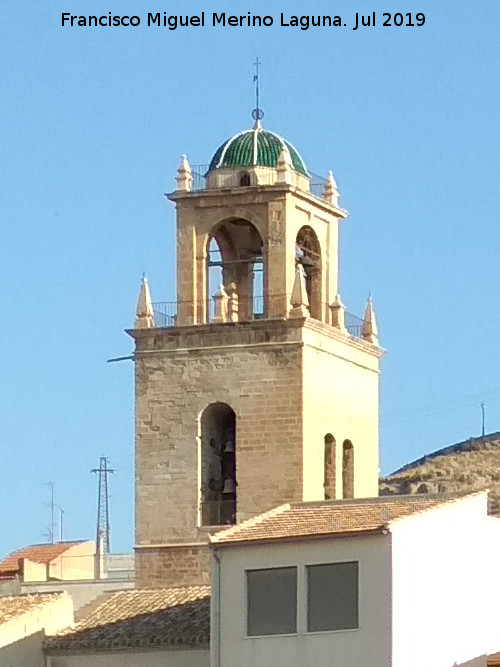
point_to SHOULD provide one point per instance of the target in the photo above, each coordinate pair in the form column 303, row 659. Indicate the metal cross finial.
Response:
column 257, row 113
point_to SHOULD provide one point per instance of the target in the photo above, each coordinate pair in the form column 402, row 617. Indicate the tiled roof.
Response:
column 17, row 605
column 494, row 660
column 39, row 553
column 255, row 147
column 311, row 519
column 140, row 618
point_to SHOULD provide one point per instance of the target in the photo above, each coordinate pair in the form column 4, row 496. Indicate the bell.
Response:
column 229, row 487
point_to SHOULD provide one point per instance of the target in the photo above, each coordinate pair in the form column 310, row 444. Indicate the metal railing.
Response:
column 317, row 185
column 218, row 512
column 354, row 325
column 199, row 173
column 165, row 314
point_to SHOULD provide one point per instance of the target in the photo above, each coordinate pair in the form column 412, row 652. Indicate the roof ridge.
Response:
column 447, row 499
column 329, row 518
column 249, row 523
column 417, row 497
column 35, row 594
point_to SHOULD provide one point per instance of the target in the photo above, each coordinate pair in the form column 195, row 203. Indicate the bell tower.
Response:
column 256, row 387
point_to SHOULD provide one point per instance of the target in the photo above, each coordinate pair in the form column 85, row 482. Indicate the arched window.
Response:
column 218, row 465
column 347, row 469
column 215, row 278
column 329, row 467
column 308, row 253
column 245, row 179
column 236, row 252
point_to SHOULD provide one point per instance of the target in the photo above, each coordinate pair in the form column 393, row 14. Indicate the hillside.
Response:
column 473, row 464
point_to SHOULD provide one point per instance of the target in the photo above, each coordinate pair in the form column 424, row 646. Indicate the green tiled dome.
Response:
column 255, row 148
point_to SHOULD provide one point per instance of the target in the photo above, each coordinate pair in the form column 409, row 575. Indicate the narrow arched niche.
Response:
column 218, row 465
column 347, row 469
column 329, row 467
column 308, row 254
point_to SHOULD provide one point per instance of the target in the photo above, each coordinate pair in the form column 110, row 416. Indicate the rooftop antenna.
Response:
column 61, row 514
column 51, row 528
column 257, row 113
column 103, row 529
column 483, row 416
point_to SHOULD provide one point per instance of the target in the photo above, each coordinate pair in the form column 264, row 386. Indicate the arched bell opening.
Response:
column 308, row 254
column 218, row 465
column 329, row 467
column 347, row 469
column 235, row 250
column 215, row 274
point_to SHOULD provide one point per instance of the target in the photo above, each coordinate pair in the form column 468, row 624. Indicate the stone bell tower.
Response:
column 256, row 389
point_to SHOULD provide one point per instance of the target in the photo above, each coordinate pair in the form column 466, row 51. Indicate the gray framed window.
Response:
column 332, row 597
column 272, row 601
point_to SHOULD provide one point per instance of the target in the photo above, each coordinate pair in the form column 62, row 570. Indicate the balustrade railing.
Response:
column 199, row 172
column 165, row 314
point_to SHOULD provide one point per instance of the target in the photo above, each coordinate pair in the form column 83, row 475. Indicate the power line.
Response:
column 438, row 408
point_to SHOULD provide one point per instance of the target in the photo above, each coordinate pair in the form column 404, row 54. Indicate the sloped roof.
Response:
column 38, row 553
column 337, row 517
column 177, row 617
column 467, row 466
column 13, row 606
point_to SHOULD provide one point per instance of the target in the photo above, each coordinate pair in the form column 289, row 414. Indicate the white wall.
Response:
column 134, row 658
column 441, row 583
column 493, row 586
column 21, row 637
column 341, row 387
column 369, row 645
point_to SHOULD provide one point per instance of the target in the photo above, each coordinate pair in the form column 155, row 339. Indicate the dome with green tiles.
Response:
column 255, row 148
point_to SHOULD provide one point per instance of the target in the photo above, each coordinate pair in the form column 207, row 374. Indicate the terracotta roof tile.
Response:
column 134, row 618
column 16, row 605
column 39, row 553
column 310, row 519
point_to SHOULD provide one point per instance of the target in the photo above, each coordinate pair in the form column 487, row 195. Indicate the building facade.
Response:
column 255, row 388
column 390, row 582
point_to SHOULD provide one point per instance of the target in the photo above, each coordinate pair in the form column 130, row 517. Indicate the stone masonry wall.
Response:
column 174, row 566
column 256, row 370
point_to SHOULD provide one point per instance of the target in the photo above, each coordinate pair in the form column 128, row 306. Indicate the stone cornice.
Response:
column 336, row 334
column 249, row 193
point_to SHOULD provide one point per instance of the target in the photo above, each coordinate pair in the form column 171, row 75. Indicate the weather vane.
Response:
column 257, row 113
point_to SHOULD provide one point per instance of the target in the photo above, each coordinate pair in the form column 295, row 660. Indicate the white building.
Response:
column 24, row 621
column 387, row 582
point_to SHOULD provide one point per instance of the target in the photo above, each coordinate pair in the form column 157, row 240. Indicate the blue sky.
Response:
column 93, row 124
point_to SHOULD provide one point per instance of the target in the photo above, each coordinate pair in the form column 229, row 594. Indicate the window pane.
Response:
column 332, row 597
column 272, row 601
